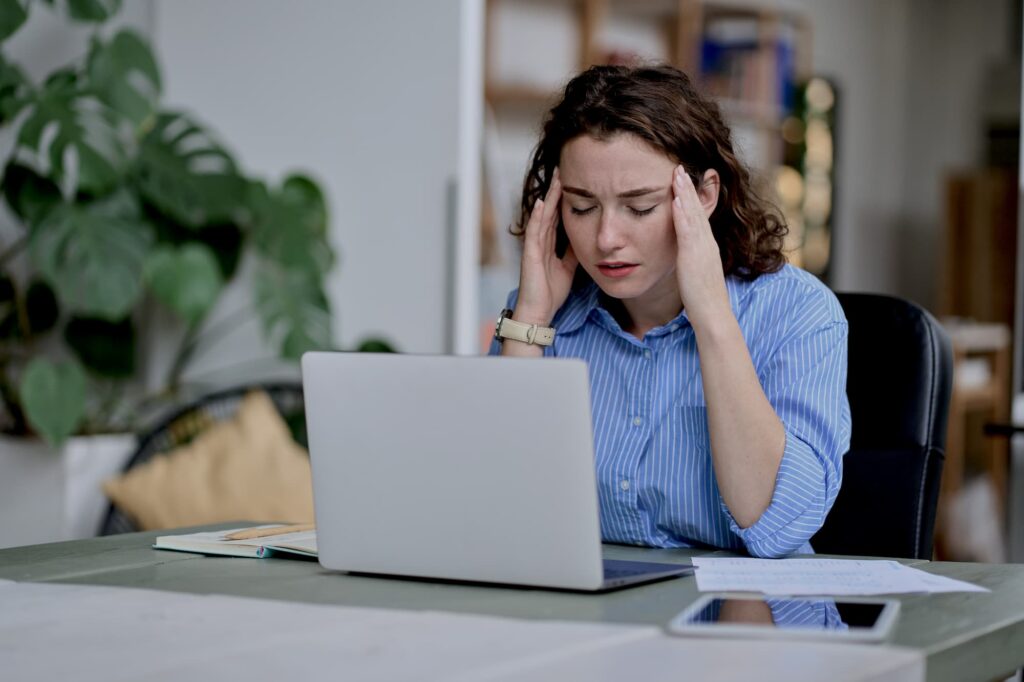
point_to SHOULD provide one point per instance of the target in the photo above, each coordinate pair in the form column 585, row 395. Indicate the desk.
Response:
column 961, row 636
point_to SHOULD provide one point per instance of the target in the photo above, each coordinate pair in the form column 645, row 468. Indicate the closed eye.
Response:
column 642, row 211
column 580, row 211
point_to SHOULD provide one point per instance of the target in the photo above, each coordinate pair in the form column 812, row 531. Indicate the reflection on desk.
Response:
column 783, row 613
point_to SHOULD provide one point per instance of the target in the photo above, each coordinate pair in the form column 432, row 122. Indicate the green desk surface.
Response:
column 963, row 636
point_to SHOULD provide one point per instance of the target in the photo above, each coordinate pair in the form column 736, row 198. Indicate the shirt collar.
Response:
column 584, row 301
column 577, row 309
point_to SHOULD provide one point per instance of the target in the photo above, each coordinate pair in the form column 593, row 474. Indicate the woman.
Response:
column 717, row 370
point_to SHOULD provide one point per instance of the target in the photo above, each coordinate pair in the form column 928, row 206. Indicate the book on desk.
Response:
column 257, row 542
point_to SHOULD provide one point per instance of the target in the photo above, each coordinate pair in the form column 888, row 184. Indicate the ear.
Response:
column 710, row 185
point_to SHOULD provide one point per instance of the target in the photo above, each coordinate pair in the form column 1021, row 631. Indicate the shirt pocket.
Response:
column 691, row 428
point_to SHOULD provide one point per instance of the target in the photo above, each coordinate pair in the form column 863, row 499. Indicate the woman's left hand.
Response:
column 698, row 262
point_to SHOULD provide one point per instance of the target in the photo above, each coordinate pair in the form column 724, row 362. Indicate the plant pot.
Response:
column 48, row 495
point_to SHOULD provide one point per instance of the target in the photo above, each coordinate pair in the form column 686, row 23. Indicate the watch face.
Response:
column 502, row 316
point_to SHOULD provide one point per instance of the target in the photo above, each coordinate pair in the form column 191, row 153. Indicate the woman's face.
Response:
column 617, row 211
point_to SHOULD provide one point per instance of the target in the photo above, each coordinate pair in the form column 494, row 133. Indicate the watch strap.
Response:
column 533, row 334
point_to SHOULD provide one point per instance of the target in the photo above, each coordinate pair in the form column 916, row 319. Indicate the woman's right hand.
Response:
column 544, row 278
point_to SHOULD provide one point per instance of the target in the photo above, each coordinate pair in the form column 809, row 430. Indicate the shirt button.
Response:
column 647, row 354
column 624, row 484
column 637, row 421
column 673, row 327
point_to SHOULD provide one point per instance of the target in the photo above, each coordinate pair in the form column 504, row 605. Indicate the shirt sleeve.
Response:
column 510, row 303
column 805, row 381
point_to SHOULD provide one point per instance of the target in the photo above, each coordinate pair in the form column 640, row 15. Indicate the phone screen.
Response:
column 820, row 614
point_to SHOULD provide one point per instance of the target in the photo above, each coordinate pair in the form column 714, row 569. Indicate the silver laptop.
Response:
column 459, row 468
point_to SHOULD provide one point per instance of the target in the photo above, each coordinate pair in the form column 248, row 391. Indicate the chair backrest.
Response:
column 187, row 422
column 899, row 383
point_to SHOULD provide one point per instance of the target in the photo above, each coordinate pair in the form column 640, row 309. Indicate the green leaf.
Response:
column 293, row 309
column 302, row 191
column 41, row 307
column 9, row 326
column 291, row 226
column 107, row 348
column 185, row 174
column 15, row 88
column 66, row 120
column 35, row 315
column 13, row 14
column 93, row 10
column 187, row 279
column 226, row 242
column 29, row 194
column 93, row 255
column 53, row 395
column 375, row 346
column 124, row 74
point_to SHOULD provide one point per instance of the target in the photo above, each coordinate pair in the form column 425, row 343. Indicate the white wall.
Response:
column 362, row 95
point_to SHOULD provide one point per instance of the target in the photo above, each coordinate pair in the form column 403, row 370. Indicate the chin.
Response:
column 621, row 290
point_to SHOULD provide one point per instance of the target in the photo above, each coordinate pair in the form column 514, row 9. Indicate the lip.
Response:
column 616, row 269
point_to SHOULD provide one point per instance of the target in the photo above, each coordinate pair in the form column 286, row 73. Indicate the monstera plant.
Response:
column 119, row 205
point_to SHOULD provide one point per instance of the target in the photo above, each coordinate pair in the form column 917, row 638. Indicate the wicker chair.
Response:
column 189, row 421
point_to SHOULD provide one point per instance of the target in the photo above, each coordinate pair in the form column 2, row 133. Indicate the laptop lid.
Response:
column 463, row 468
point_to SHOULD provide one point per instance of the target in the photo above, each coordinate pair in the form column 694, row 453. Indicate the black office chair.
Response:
column 187, row 422
column 900, row 377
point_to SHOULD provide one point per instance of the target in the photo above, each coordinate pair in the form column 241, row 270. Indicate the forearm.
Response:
column 747, row 437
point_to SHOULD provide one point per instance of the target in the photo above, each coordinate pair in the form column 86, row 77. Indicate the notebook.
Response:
column 270, row 542
column 459, row 468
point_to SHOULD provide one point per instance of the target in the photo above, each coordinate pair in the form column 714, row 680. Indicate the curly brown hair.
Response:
column 659, row 104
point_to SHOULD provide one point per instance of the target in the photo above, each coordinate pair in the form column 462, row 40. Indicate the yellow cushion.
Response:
column 245, row 468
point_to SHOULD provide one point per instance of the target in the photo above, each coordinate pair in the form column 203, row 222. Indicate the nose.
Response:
column 610, row 233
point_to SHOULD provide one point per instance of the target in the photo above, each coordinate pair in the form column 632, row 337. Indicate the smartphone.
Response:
column 847, row 619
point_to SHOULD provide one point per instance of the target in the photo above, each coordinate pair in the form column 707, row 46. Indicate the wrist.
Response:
column 528, row 316
column 715, row 327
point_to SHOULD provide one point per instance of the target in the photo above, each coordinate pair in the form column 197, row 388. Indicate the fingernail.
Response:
column 678, row 202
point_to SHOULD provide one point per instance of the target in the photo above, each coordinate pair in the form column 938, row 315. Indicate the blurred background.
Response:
column 886, row 130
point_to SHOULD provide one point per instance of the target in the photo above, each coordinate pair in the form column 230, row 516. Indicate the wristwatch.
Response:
column 533, row 334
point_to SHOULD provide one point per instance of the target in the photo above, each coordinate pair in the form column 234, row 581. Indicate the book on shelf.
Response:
column 257, row 542
column 742, row 64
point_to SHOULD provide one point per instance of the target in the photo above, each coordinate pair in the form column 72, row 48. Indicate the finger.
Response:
column 686, row 207
column 531, row 236
column 683, row 187
column 552, row 207
column 553, row 195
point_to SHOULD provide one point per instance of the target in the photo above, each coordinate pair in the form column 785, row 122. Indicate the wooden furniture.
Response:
column 977, row 392
column 976, row 302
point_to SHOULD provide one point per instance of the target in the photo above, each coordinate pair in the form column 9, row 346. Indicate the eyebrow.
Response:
column 630, row 194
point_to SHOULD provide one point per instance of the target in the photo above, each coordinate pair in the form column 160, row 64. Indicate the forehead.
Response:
column 616, row 164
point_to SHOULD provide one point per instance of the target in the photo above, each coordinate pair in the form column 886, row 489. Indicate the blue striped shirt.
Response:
column 656, row 483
